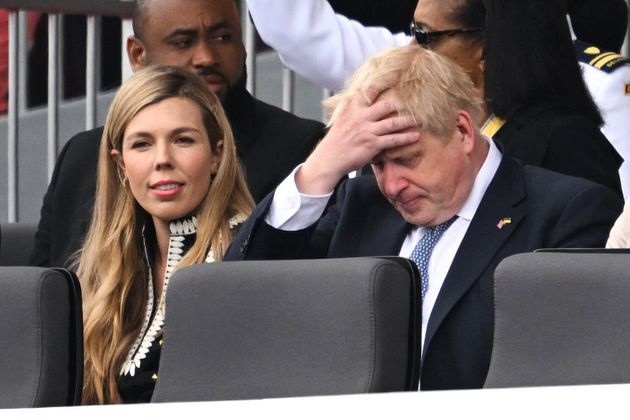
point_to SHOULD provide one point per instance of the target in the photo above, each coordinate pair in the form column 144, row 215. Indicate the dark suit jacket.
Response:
column 270, row 143
column 556, row 138
column 547, row 210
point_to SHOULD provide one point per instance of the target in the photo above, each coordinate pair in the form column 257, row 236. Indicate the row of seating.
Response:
column 16, row 243
column 262, row 329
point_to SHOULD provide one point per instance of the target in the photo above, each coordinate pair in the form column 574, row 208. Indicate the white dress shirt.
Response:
column 291, row 210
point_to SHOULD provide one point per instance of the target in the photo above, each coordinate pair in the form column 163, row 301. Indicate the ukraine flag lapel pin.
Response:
column 503, row 222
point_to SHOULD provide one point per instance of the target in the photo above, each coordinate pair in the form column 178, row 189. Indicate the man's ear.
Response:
column 136, row 53
column 466, row 129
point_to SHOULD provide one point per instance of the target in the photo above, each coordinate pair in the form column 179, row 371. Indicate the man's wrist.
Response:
column 315, row 179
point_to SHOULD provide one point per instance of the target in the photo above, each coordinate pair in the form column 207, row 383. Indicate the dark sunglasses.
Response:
column 425, row 38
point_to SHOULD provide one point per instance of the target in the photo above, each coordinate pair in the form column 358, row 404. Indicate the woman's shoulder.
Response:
column 235, row 222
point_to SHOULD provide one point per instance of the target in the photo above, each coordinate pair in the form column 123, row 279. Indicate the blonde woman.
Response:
column 170, row 193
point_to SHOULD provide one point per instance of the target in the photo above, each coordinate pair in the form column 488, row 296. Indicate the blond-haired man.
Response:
column 412, row 113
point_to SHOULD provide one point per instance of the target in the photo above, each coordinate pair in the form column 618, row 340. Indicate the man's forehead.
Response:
column 190, row 13
column 403, row 151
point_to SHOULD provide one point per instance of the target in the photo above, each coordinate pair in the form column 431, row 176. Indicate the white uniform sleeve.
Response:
column 291, row 210
column 620, row 233
column 609, row 93
column 315, row 42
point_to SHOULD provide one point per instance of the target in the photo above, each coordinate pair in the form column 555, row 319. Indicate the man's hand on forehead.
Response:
column 368, row 124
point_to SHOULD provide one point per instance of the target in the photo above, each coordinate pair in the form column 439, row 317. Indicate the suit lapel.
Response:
column 384, row 232
column 503, row 199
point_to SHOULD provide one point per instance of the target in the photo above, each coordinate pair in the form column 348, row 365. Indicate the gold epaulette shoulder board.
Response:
column 603, row 60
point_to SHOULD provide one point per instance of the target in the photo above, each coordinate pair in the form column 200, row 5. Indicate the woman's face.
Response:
column 434, row 15
column 167, row 158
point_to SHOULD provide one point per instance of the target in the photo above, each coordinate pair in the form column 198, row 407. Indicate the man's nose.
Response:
column 392, row 181
column 204, row 55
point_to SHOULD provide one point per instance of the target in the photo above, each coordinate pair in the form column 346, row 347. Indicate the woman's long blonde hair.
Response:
column 111, row 264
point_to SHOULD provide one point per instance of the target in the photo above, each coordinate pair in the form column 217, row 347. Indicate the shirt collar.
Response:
column 482, row 180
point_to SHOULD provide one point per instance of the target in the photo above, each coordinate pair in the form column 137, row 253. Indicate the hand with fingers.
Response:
column 365, row 127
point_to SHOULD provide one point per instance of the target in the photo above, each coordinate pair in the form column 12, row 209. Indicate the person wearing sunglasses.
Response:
column 518, row 54
column 426, row 38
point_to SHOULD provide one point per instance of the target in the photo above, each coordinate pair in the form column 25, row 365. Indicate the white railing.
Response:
column 17, row 71
column 17, row 109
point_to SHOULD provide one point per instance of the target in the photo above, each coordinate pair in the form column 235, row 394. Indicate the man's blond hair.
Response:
column 428, row 86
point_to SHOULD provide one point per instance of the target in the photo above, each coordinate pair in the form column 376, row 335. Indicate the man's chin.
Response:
column 219, row 89
column 416, row 218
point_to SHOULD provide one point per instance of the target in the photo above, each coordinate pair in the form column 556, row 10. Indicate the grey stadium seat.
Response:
column 561, row 318
column 41, row 345
column 262, row 329
column 16, row 243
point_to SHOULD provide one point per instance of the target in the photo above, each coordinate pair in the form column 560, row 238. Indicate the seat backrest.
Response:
column 262, row 329
column 585, row 250
column 561, row 319
column 41, row 338
column 16, row 243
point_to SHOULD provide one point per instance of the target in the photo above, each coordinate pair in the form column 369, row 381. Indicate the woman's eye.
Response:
column 185, row 140
column 139, row 144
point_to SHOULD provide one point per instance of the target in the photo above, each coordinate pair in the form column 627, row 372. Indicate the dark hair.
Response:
column 602, row 22
column 468, row 14
column 530, row 58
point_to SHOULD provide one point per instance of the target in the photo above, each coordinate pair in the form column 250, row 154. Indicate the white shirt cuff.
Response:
column 291, row 210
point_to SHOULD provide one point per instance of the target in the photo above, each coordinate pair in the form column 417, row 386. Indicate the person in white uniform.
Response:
column 326, row 48
column 600, row 27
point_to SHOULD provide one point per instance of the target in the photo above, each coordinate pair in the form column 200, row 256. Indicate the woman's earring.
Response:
column 122, row 178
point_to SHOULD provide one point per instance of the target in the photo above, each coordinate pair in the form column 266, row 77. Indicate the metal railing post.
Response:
column 249, row 35
column 288, row 89
column 53, row 91
column 22, row 60
column 12, row 143
column 92, row 64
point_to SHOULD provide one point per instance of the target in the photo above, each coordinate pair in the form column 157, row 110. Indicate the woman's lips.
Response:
column 166, row 189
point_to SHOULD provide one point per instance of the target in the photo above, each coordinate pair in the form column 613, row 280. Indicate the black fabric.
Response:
column 554, row 137
column 594, row 56
column 395, row 15
column 547, row 210
column 270, row 143
column 139, row 387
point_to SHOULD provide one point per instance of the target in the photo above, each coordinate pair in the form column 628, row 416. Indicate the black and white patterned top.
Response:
column 139, row 371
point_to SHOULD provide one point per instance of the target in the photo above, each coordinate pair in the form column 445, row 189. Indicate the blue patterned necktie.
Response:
column 422, row 252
